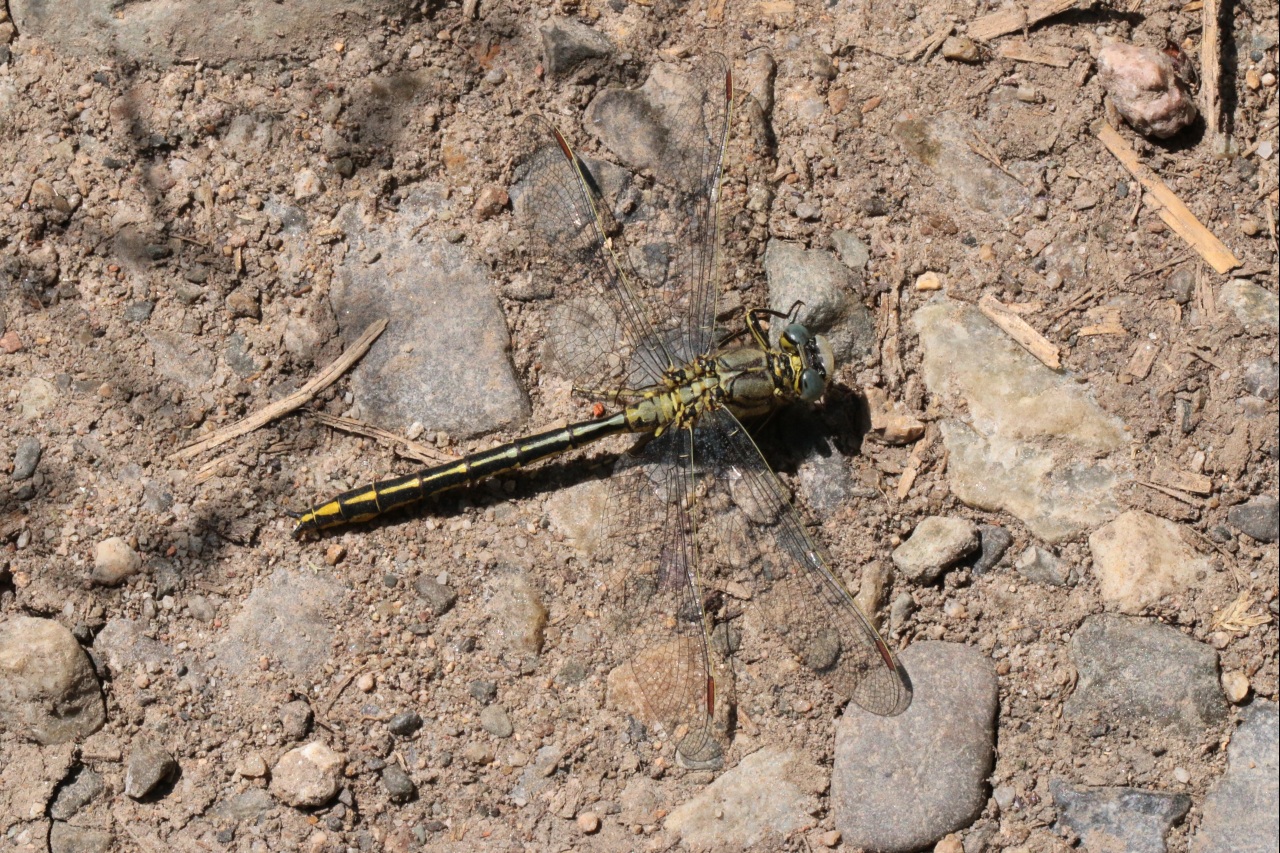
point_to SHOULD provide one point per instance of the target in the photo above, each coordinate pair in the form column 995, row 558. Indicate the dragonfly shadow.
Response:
column 800, row 431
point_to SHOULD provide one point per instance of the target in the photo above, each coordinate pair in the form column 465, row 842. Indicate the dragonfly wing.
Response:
column 749, row 529
column 656, row 611
column 602, row 339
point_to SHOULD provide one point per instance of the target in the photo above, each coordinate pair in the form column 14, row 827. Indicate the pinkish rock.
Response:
column 1145, row 88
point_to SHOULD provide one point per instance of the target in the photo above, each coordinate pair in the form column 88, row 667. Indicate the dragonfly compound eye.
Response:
column 812, row 384
column 796, row 336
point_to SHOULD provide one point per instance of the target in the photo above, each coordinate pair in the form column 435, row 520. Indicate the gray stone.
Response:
column 399, row 787
column 827, row 288
column 825, row 482
column 65, row 838
column 114, row 562
column 1258, row 517
column 645, row 126
column 248, row 806
column 1242, row 810
column 73, row 795
column 567, row 43
column 49, row 692
column 1261, row 379
column 1141, row 558
column 149, row 765
column 854, row 253
column 439, row 597
column 1036, row 444
column 935, row 544
column 901, row 783
column 1128, row 819
column 995, row 542
column 405, row 723
column 443, row 311
column 495, row 721
column 1257, row 308
column 308, row 776
column 1040, row 566
column 123, row 644
column 26, row 458
column 1140, row 673
column 290, row 617
column 943, row 143
column 295, row 719
column 757, row 805
column 215, row 31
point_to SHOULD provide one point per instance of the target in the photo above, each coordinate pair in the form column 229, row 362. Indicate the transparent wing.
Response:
column 658, row 628
column 748, row 528
column 688, row 118
column 602, row 339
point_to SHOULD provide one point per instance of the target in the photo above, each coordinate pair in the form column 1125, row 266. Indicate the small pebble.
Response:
column 1236, row 686
column 334, row 554
column 1181, row 774
column 961, row 49
column 1251, row 227
column 308, row 776
column 495, row 721
column 830, row 839
column 929, row 281
column 491, row 201
column 589, row 822
column 252, row 767
column 365, row 683
column 1268, row 80
column 148, row 766
column 1253, row 79
column 405, row 723
column 113, row 562
column 400, row 788
column 950, row 844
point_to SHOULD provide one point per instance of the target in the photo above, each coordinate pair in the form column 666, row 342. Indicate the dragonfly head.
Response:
column 811, row 359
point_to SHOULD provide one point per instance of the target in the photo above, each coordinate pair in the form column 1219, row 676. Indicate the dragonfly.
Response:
column 694, row 503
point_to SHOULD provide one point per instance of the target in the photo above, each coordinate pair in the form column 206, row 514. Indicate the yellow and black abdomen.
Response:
column 366, row 502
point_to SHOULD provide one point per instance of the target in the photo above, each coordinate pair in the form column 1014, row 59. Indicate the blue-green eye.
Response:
column 796, row 335
column 812, row 384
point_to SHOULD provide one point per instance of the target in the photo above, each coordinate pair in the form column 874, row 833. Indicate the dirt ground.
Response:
column 157, row 284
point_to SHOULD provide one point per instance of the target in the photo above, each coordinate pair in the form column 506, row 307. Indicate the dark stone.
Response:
column 1261, row 378
column 567, row 43
column 26, row 458
column 400, row 788
column 1258, row 518
column 405, row 723
column 439, row 598
column 1135, row 672
column 149, row 766
column 1128, row 819
column 483, row 691
column 140, row 311
column 995, row 541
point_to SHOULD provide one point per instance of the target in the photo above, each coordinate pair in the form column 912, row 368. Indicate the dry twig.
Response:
column 1020, row 330
column 298, row 398
column 1171, row 208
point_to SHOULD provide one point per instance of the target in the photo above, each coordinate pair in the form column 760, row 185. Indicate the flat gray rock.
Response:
column 1257, row 308
column 943, row 143
column 49, row 692
column 1134, row 672
column 901, row 783
column 754, row 806
column 1033, row 443
column 827, row 288
column 1128, row 819
column 149, row 765
column 1040, row 566
column 213, row 31
column 291, row 617
column 936, row 543
column 1242, row 811
column 65, row 838
column 444, row 360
